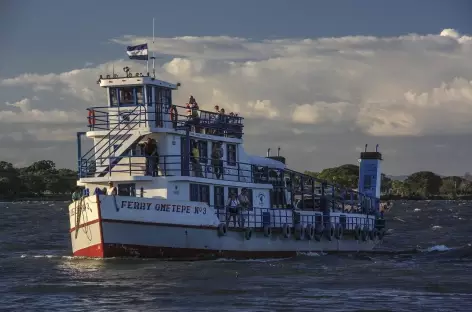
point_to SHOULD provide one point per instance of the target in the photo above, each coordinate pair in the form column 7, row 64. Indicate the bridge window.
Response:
column 219, row 197
column 231, row 154
column 149, row 95
column 113, row 97
column 126, row 96
column 200, row 193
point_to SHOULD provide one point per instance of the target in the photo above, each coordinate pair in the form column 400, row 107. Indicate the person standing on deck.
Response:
column 195, row 159
column 150, row 151
column 244, row 204
column 112, row 189
column 233, row 210
column 216, row 161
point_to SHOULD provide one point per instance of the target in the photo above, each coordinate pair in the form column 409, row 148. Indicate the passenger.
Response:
column 152, row 156
column 244, row 203
column 216, row 159
column 112, row 189
column 195, row 159
column 195, row 117
column 77, row 194
column 222, row 122
column 233, row 210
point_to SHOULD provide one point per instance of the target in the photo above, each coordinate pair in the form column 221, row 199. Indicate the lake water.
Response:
column 425, row 264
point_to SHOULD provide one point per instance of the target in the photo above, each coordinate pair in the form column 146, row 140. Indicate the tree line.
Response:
column 419, row 185
column 40, row 179
column 43, row 179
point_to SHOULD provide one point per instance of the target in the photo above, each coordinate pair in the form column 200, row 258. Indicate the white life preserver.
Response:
column 319, row 229
column 364, row 233
column 286, row 230
column 222, row 229
column 299, row 231
column 267, row 230
column 339, row 231
column 247, row 233
column 381, row 234
column 371, row 235
column 357, row 232
column 309, row 232
column 329, row 231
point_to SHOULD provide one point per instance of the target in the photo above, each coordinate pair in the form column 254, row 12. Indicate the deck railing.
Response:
column 336, row 197
column 165, row 116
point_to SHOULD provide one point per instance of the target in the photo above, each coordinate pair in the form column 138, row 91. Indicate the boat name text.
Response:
column 184, row 209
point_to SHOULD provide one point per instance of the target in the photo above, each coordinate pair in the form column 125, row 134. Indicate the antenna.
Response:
column 153, row 58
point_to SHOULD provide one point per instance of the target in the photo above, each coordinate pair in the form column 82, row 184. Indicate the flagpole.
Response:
column 153, row 58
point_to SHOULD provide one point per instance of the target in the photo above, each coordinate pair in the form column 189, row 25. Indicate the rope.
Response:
column 82, row 206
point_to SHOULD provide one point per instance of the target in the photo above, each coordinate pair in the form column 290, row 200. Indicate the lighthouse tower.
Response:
column 370, row 174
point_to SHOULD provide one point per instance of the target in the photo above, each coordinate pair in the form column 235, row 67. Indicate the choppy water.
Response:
column 425, row 265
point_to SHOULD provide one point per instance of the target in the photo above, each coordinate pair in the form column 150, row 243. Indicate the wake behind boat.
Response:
column 164, row 180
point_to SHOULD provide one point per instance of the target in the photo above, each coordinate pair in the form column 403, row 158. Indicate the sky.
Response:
column 320, row 79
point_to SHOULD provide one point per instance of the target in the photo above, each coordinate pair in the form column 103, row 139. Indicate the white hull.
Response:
column 146, row 227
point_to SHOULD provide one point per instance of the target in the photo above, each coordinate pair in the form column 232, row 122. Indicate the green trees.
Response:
column 425, row 184
column 38, row 179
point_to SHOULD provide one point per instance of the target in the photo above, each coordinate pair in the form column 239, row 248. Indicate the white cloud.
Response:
column 410, row 85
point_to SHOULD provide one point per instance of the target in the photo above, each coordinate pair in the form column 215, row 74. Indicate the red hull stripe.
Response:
column 139, row 251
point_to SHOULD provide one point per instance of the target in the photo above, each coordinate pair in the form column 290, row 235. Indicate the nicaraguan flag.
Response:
column 139, row 52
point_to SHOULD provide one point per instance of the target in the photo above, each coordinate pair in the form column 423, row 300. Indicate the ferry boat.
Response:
column 175, row 206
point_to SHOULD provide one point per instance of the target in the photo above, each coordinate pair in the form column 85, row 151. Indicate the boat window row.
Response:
column 201, row 193
column 138, row 95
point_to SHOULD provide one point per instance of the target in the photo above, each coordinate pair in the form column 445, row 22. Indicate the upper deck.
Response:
column 137, row 102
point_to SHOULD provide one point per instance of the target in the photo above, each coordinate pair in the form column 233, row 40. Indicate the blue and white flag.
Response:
column 139, row 52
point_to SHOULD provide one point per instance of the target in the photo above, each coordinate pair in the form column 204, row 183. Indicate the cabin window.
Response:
column 203, row 150
column 200, row 193
column 128, row 189
column 113, row 97
column 126, row 96
column 231, row 154
column 149, row 94
column 249, row 197
column 139, row 95
column 277, row 197
column 219, row 197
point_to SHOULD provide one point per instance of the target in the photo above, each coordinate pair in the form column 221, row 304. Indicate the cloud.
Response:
column 405, row 86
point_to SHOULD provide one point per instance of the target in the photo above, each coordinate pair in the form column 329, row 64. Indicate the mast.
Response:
column 153, row 58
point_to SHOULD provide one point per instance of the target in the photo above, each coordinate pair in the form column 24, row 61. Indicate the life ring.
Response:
column 329, row 232
column 375, row 233
column 371, row 235
column 364, row 233
column 91, row 117
column 357, row 232
column 267, row 230
column 286, row 230
column 339, row 231
column 319, row 229
column 381, row 234
column 222, row 229
column 299, row 231
column 310, row 232
column 247, row 233
column 173, row 115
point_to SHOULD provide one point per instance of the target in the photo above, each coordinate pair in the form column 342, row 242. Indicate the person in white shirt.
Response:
column 233, row 210
column 112, row 189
